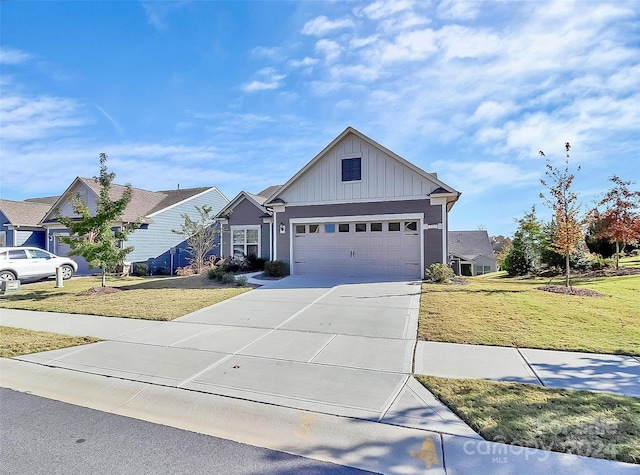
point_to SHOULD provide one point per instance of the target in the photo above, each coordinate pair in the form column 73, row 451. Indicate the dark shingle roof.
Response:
column 470, row 243
column 267, row 192
column 176, row 196
column 24, row 213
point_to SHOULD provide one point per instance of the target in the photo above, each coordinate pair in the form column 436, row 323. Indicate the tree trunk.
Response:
column 104, row 277
column 566, row 261
column 617, row 253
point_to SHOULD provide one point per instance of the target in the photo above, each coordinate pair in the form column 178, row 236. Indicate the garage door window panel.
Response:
column 361, row 227
column 343, row 228
column 393, row 227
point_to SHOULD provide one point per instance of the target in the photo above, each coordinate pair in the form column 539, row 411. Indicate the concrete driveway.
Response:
column 339, row 346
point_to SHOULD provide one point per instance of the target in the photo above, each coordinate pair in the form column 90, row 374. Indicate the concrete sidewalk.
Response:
column 380, row 448
column 281, row 364
column 614, row 374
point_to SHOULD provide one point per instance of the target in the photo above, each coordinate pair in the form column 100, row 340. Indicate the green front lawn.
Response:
column 512, row 312
column 578, row 422
column 159, row 298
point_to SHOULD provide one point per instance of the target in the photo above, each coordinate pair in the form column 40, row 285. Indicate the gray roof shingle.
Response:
column 470, row 243
column 24, row 213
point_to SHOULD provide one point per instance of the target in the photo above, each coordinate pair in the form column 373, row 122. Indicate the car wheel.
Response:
column 7, row 275
column 67, row 272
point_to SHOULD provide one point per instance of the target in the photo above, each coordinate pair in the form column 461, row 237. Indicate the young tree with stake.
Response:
column 566, row 209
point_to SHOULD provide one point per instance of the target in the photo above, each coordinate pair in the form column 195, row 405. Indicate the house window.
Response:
column 351, row 169
column 329, row 228
column 361, row 227
column 393, row 226
column 376, row 227
column 245, row 242
column 482, row 270
column 343, row 228
column 3, row 238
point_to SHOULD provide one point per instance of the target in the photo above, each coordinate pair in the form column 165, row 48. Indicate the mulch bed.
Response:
column 95, row 291
column 561, row 289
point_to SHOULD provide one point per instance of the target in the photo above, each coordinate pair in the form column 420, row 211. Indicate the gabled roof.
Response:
column 24, row 213
column 470, row 244
column 144, row 203
column 43, row 199
column 257, row 200
column 350, row 130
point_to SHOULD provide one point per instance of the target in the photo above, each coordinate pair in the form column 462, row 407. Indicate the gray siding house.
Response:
column 160, row 212
column 471, row 253
column 356, row 208
column 20, row 223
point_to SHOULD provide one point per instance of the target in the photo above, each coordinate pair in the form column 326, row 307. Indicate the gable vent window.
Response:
column 351, row 169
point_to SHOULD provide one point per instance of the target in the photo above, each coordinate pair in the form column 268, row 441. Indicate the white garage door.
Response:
column 376, row 248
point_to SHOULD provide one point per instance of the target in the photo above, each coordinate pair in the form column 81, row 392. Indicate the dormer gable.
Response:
column 354, row 168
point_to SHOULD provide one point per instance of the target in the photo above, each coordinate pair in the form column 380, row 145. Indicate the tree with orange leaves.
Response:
column 566, row 210
column 620, row 222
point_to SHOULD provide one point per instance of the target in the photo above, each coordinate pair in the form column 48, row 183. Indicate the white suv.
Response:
column 31, row 263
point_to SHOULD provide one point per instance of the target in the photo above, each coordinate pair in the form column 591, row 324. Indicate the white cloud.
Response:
column 13, row 56
column 321, row 25
column 157, row 12
column 412, row 46
column 269, row 80
column 329, row 49
column 386, row 8
column 458, row 9
column 276, row 53
column 475, row 177
column 26, row 119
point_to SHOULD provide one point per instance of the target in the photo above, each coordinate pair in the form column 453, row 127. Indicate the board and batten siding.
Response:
column 383, row 178
column 158, row 237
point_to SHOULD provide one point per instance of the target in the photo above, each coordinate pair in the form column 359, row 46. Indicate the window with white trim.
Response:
column 246, row 242
column 3, row 238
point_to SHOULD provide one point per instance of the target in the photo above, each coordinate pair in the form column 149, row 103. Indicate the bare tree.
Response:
column 201, row 235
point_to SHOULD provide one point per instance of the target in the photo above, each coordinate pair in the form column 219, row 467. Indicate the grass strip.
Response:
column 18, row 341
column 585, row 423
column 511, row 312
column 139, row 297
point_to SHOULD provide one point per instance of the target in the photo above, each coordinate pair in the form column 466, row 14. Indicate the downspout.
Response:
column 445, row 243
column 275, row 236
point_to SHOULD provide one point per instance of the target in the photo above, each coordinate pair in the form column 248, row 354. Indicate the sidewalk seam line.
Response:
column 529, row 365
column 322, row 349
column 394, row 398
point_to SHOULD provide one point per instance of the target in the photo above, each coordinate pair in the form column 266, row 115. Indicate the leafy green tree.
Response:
column 201, row 235
column 524, row 255
column 563, row 201
column 95, row 237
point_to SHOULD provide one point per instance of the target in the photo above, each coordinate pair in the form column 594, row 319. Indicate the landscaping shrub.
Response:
column 216, row 273
column 439, row 273
column 599, row 263
column 276, row 269
column 228, row 278
column 140, row 269
column 184, row 271
column 254, row 262
column 635, row 253
column 241, row 281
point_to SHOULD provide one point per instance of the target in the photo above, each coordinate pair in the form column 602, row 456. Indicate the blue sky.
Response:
column 242, row 94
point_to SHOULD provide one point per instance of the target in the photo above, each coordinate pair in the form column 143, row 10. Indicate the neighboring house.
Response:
column 356, row 208
column 159, row 212
column 471, row 253
column 20, row 223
